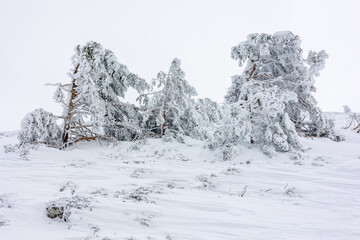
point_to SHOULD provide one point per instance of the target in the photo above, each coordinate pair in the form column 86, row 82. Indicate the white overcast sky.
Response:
column 37, row 39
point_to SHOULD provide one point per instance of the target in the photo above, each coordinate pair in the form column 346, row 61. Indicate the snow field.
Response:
column 168, row 190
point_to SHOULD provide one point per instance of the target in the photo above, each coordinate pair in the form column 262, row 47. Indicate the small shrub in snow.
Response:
column 69, row 186
column 62, row 207
column 238, row 193
column 168, row 237
column 138, row 172
column 242, row 194
column 145, row 219
column 9, row 148
column 80, row 164
column 23, row 151
column 3, row 222
column 139, row 194
column 138, row 144
column 4, row 201
column 319, row 161
column 100, row 192
column 180, row 157
column 231, row 171
column 227, row 152
column 174, row 184
column 95, row 229
column 286, row 190
column 171, row 185
column 206, row 182
column 290, row 191
column 354, row 119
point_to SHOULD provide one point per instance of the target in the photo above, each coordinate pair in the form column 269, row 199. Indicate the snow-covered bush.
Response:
column 354, row 119
column 208, row 115
column 5, row 202
column 168, row 106
column 232, row 127
column 40, row 126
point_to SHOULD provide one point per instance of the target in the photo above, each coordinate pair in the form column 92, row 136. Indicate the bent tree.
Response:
column 93, row 108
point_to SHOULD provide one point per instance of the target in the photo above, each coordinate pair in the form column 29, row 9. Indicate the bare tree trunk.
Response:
column 251, row 73
column 67, row 120
column 246, row 97
column 165, row 104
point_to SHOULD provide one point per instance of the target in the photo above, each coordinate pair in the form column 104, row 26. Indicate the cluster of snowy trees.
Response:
column 270, row 104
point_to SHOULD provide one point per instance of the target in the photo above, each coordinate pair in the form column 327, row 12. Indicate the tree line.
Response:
column 270, row 104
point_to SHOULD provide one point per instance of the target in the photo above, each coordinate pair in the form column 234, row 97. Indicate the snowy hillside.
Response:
column 168, row 190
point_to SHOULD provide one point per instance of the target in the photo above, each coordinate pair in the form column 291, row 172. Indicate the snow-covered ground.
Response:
column 168, row 190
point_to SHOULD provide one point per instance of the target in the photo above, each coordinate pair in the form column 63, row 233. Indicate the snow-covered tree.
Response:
column 276, row 89
column 169, row 105
column 40, row 126
column 92, row 107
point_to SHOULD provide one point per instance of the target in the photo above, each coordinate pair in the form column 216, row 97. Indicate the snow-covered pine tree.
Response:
column 92, row 108
column 168, row 106
column 40, row 126
column 277, row 85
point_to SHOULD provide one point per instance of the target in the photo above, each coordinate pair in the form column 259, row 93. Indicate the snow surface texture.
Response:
column 167, row 190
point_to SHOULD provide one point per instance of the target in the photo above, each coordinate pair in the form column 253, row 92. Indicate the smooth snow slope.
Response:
column 169, row 190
